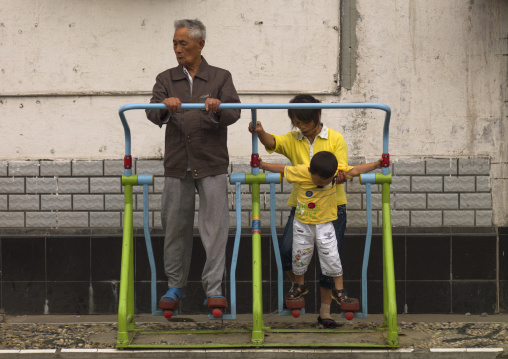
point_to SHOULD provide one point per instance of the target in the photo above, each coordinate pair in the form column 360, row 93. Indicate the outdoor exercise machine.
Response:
column 127, row 330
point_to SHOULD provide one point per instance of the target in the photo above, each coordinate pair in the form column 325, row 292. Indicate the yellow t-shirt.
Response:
column 296, row 148
column 315, row 205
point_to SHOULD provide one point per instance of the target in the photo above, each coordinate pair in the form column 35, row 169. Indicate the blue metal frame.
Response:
column 366, row 179
column 264, row 106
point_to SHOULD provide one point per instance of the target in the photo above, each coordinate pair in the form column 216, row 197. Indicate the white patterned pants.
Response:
column 323, row 235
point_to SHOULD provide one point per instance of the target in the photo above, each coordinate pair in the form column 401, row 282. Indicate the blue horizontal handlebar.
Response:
column 259, row 106
column 264, row 106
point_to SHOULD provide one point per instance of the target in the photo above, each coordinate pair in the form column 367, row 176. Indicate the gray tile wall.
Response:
column 426, row 192
column 431, row 192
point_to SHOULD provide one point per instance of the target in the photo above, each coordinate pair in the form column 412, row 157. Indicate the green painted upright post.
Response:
column 257, row 275
column 126, row 300
column 390, row 303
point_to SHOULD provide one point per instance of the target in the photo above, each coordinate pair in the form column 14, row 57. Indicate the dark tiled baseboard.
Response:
column 78, row 272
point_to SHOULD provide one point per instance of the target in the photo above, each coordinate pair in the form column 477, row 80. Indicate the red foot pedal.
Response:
column 169, row 305
column 217, row 303
column 352, row 306
column 349, row 308
column 295, row 305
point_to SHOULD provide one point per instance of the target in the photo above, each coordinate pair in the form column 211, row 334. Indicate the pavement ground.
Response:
column 94, row 336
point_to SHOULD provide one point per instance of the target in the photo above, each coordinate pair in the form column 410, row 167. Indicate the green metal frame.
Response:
column 127, row 329
column 126, row 319
column 389, row 300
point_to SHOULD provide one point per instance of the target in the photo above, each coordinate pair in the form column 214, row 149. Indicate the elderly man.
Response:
column 196, row 158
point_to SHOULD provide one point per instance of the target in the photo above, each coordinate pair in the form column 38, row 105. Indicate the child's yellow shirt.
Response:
column 297, row 149
column 315, row 205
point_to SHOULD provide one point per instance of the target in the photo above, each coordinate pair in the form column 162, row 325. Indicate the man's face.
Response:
column 187, row 50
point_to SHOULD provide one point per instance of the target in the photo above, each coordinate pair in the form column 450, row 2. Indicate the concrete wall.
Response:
column 441, row 66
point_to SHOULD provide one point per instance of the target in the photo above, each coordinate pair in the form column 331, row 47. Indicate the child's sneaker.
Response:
column 340, row 296
column 297, row 291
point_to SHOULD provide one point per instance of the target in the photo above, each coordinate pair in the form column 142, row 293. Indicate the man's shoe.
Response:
column 171, row 298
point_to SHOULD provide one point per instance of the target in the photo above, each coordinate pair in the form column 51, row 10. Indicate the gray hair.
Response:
column 196, row 29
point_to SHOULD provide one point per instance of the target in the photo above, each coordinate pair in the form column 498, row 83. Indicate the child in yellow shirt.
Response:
column 316, row 209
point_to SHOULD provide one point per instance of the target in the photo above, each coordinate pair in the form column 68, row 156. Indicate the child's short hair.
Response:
column 304, row 115
column 324, row 164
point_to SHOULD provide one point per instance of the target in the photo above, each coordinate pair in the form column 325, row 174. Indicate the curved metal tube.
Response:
column 265, row 106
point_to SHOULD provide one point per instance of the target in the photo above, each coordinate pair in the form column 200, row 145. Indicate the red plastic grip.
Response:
column 386, row 160
column 127, row 162
column 254, row 160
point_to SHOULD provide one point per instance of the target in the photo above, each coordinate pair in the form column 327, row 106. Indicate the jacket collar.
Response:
column 203, row 71
column 323, row 134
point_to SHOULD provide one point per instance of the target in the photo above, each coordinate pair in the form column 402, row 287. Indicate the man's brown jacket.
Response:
column 192, row 137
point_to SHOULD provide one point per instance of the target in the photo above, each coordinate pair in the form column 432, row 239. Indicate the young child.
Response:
column 316, row 209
